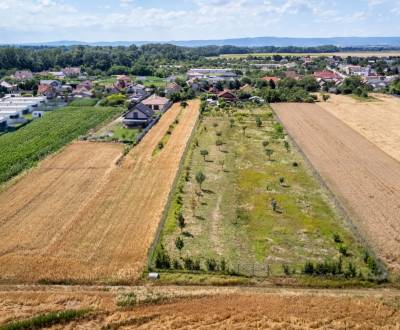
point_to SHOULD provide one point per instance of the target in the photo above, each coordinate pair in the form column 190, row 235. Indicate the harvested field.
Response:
column 365, row 180
column 66, row 224
column 208, row 308
column 377, row 120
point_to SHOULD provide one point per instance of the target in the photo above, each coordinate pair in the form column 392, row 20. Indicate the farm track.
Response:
column 208, row 307
column 70, row 224
column 365, row 180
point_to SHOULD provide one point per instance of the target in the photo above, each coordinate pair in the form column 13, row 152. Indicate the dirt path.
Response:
column 365, row 179
column 104, row 237
column 378, row 121
column 209, row 307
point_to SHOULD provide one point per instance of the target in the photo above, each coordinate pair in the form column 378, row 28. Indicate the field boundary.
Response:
column 171, row 194
column 333, row 199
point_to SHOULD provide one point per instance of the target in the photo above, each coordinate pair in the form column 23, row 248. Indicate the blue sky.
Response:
column 105, row 20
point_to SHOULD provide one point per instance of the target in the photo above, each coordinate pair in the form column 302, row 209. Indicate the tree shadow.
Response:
column 208, row 191
column 187, row 234
column 198, row 217
column 204, row 203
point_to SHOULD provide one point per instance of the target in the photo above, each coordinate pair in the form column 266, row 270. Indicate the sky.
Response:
column 163, row 20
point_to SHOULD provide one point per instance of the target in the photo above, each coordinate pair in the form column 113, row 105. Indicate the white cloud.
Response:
column 205, row 19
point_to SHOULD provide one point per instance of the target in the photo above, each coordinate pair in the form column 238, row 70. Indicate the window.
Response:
column 156, row 107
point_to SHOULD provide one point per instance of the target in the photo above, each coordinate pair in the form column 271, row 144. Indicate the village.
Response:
column 26, row 96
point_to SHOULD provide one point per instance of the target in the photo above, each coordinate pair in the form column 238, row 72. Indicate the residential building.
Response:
column 47, row 90
column 157, row 103
column 22, row 75
column 139, row 116
column 172, row 88
column 72, row 71
column 227, row 96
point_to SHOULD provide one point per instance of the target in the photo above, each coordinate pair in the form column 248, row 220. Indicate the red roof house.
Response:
column 326, row 75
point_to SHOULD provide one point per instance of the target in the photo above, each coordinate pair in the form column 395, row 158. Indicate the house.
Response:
column 137, row 92
column 47, row 90
column 72, row 71
column 139, row 116
column 54, row 83
column 268, row 79
column 58, row 74
column 82, row 91
column 326, row 75
column 23, row 75
column 122, row 81
column 172, row 88
column 157, row 103
column 227, row 96
column 86, row 84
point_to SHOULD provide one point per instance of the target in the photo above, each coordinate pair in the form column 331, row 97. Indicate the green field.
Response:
column 24, row 148
column 231, row 219
column 83, row 102
column 152, row 80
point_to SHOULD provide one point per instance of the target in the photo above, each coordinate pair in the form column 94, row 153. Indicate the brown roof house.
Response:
column 172, row 88
column 157, row 103
column 227, row 96
column 47, row 90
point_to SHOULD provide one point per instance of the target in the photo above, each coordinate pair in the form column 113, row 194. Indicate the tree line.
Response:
column 140, row 59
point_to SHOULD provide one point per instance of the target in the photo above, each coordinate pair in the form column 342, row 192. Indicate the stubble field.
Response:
column 377, row 120
column 364, row 179
column 81, row 217
column 204, row 308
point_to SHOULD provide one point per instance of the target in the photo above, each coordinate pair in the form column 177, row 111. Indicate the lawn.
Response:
column 121, row 133
column 25, row 147
column 83, row 102
column 152, row 80
column 231, row 219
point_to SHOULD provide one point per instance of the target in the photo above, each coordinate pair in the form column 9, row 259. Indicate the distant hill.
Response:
column 248, row 42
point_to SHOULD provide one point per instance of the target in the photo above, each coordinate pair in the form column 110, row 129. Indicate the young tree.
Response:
column 287, row 146
column 244, row 129
column 265, row 144
column 274, row 205
column 269, row 153
column 219, row 143
column 326, row 97
column 200, row 178
column 204, row 153
column 232, row 122
column 222, row 163
column 258, row 122
column 184, row 104
column 179, row 244
column 181, row 221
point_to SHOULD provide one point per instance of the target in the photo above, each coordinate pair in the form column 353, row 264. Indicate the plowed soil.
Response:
column 210, row 308
column 377, row 120
column 80, row 217
column 365, row 180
